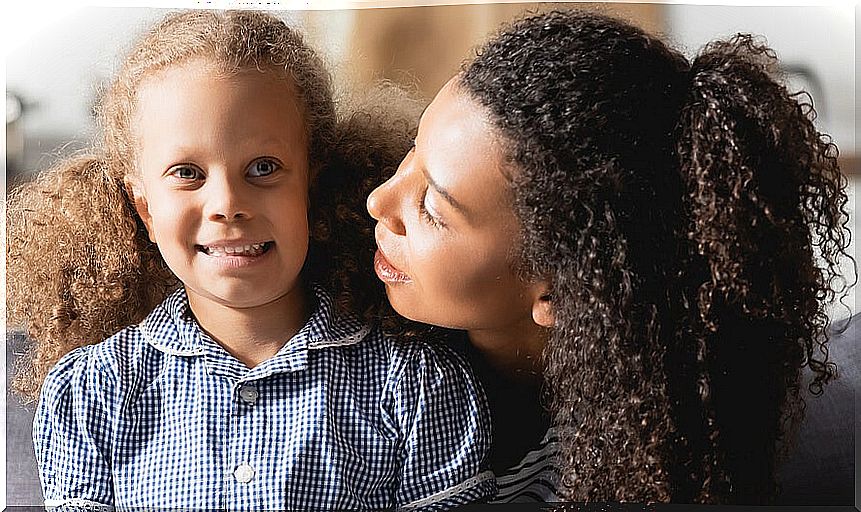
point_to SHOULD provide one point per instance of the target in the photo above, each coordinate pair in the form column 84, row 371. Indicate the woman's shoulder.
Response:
column 536, row 477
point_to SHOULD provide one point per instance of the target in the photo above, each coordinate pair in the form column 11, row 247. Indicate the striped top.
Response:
column 536, row 478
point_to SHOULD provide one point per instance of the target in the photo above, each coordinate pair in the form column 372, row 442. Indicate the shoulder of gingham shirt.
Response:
column 161, row 416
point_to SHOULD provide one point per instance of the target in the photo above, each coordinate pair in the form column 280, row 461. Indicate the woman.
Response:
column 657, row 238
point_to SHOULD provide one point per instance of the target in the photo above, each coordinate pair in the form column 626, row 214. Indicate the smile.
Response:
column 388, row 272
column 247, row 250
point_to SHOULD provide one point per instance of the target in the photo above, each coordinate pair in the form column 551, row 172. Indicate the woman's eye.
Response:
column 263, row 167
column 185, row 172
column 431, row 219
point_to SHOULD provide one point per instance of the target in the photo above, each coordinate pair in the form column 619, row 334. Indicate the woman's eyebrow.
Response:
column 445, row 194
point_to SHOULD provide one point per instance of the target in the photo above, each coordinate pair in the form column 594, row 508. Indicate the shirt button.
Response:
column 243, row 473
column 248, row 394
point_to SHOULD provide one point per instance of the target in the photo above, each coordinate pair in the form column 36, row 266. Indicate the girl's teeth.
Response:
column 244, row 250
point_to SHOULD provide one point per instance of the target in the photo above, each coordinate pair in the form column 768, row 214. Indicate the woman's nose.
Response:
column 384, row 205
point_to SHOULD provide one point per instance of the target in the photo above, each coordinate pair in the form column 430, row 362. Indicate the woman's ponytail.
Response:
column 765, row 194
column 766, row 208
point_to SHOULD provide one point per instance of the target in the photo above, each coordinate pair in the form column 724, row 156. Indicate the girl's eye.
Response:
column 262, row 167
column 185, row 172
column 427, row 215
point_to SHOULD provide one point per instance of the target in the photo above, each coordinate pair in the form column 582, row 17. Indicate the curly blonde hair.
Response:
column 80, row 265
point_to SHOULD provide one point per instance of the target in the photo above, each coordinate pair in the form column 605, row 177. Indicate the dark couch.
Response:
column 820, row 469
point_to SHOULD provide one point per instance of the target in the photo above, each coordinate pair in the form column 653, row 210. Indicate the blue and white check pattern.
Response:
column 161, row 416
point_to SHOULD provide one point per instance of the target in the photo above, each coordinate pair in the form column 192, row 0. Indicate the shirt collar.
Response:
column 326, row 328
column 171, row 328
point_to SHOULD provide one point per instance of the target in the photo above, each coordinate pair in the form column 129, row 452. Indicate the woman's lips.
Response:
column 386, row 271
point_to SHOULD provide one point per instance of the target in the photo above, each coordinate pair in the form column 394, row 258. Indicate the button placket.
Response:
column 245, row 469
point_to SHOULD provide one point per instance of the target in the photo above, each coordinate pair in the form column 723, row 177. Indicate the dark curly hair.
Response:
column 80, row 265
column 690, row 220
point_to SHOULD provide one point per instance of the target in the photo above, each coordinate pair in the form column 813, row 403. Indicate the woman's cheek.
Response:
column 430, row 259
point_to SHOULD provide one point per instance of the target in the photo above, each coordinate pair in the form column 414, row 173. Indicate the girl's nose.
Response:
column 384, row 205
column 227, row 201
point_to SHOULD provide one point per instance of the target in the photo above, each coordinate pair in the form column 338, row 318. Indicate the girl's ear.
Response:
column 135, row 191
column 542, row 305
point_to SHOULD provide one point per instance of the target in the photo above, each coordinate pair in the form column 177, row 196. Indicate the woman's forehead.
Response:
column 459, row 149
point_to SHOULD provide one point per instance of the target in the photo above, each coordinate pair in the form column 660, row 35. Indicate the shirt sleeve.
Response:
column 445, row 422
column 72, row 432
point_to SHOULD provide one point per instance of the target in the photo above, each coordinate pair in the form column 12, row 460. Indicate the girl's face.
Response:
column 222, row 181
column 446, row 230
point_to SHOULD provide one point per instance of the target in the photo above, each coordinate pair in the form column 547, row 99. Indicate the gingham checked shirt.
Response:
column 161, row 416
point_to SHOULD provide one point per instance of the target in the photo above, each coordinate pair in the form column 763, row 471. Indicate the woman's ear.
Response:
column 135, row 190
column 542, row 305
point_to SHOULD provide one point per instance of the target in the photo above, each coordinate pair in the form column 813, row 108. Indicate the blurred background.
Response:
column 56, row 67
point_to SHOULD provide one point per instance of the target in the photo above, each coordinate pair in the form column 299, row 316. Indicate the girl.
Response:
column 658, row 238
column 215, row 229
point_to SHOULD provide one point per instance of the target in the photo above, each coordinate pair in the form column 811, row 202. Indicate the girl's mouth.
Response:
column 249, row 250
column 387, row 272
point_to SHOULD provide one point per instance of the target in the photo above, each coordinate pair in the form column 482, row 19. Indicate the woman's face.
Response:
column 446, row 230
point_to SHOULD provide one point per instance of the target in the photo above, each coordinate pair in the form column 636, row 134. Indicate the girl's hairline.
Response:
column 281, row 73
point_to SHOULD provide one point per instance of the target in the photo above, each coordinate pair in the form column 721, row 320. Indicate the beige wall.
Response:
column 424, row 46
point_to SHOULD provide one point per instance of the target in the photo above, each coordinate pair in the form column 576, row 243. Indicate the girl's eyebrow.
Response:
column 445, row 194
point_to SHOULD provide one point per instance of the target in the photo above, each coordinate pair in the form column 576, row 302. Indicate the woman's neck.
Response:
column 252, row 335
column 508, row 364
column 514, row 351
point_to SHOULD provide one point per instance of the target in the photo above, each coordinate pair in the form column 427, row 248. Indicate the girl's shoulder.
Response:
column 398, row 366
column 90, row 373
column 101, row 358
column 125, row 360
column 421, row 368
column 349, row 338
column 404, row 355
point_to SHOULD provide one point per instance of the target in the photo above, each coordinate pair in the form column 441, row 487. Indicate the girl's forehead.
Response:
column 192, row 105
column 204, row 84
